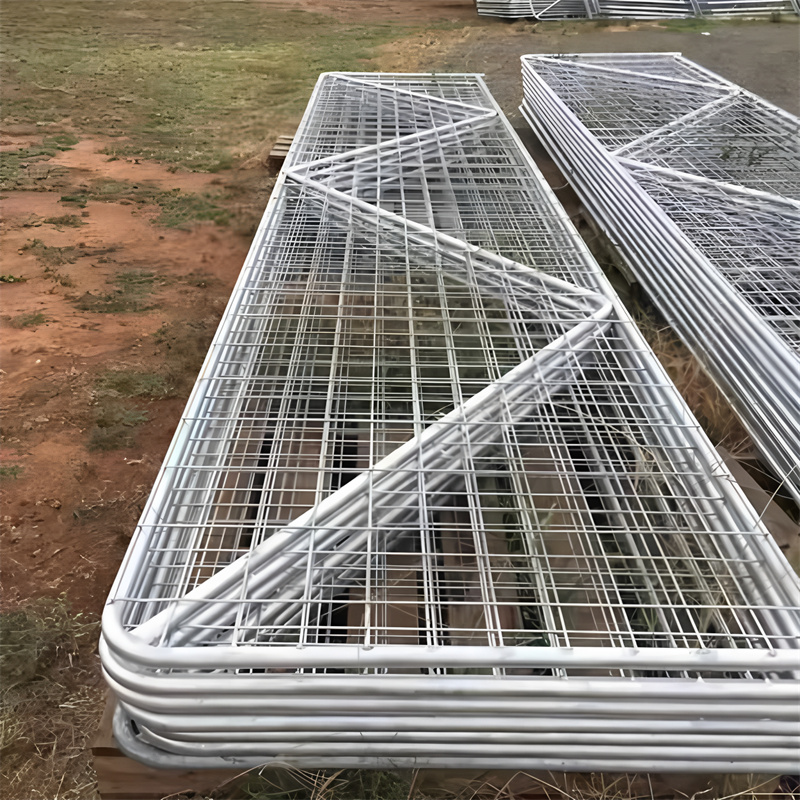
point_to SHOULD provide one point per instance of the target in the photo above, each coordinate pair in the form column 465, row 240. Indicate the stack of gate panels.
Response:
column 537, row 9
column 433, row 501
column 697, row 182
column 632, row 9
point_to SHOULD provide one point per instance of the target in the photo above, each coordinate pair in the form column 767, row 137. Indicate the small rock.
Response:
column 42, row 419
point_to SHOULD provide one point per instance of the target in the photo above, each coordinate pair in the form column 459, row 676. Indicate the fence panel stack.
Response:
column 632, row 9
column 698, row 184
column 433, row 501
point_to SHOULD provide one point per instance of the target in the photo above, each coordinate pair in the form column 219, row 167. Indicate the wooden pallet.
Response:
column 122, row 778
column 279, row 151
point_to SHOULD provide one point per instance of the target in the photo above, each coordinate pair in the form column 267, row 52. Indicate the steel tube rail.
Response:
column 155, row 757
column 436, row 502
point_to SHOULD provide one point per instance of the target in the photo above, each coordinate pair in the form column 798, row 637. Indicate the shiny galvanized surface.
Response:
column 434, row 502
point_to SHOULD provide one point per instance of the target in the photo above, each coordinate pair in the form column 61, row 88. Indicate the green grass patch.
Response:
column 10, row 471
column 136, row 281
column 131, row 294
column 30, row 320
column 65, row 221
column 184, row 345
column 178, row 208
column 115, row 426
column 62, row 141
column 8, row 278
column 35, row 636
column 691, row 24
column 79, row 199
column 111, row 191
column 111, row 303
column 187, row 83
column 51, row 258
column 131, row 383
column 12, row 164
column 200, row 280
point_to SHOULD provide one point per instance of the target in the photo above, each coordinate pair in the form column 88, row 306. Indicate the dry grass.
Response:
column 295, row 784
column 51, row 702
column 707, row 402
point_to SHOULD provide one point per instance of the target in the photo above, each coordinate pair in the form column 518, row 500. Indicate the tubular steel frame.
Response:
column 697, row 183
column 433, row 501
column 631, row 9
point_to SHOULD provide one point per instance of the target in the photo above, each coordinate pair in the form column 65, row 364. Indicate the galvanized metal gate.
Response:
column 698, row 184
column 631, row 9
column 433, row 501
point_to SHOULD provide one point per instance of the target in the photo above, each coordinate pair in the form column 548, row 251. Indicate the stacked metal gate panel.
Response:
column 433, row 501
column 697, row 182
column 631, row 9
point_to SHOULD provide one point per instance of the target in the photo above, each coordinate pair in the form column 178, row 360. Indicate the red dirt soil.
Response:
column 67, row 517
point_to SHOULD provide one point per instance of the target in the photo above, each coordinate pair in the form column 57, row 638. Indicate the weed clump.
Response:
column 65, row 221
column 178, row 208
column 116, row 418
column 30, row 320
column 50, row 256
column 79, row 199
column 115, row 425
column 184, row 345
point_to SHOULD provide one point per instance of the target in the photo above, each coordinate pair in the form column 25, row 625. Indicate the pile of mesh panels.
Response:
column 433, row 501
column 697, row 183
column 632, row 9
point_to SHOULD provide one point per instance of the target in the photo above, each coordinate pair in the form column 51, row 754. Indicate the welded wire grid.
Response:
column 727, row 174
column 753, row 241
column 631, row 9
column 428, row 441
column 740, row 140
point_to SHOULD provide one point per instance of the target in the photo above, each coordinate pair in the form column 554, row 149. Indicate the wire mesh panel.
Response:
column 433, row 501
column 631, row 9
column 703, row 205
